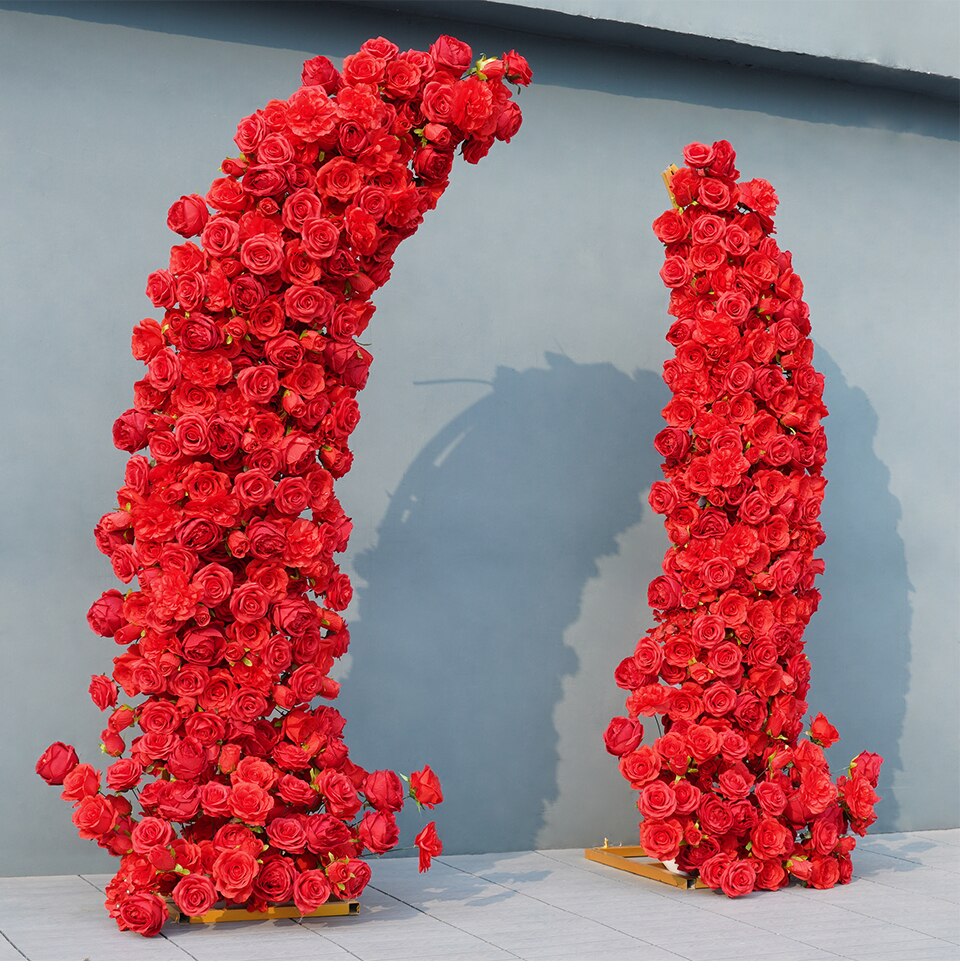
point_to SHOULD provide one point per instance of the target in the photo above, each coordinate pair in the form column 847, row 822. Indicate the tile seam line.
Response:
column 910, row 890
column 737, row 920
column 320, row 934
column 161, row 934
column 14, row 946
column 440, row 920
column 562, row 910
column 830, row 903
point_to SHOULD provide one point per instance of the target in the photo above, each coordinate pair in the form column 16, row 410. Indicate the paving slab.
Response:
column 545, row 904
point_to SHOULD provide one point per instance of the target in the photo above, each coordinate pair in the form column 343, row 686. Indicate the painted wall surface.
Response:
column 913, row 35
column 502, row 544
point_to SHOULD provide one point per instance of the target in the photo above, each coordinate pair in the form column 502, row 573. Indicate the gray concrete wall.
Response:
column 502, row 545
column 912, row 35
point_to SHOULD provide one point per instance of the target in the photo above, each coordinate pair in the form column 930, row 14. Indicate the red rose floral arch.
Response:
column 729, row 790
column 229, row 522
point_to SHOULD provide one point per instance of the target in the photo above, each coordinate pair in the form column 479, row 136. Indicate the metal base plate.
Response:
column 633, row 859
column 231, row 913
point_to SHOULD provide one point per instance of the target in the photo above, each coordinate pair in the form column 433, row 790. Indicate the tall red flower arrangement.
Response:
column 227, row 519
column 729, row 790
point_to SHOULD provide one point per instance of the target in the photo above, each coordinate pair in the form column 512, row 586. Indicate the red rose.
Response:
column 188, row 215
column 262, row 254
column 144, row 913
column 379, row 832
column 425, row 788
column 275, row 880
column 103, row 691
column 663, row 593
column 287, row 833
column 94, row 816
column 697, row 155
column 860, row 797
column 105, row 617
column 124, row 774
column 657, row 801
column 822, row 732
column 516, row 69
column 179, row 801
column 771, row 839
column 384, row 791
column 867, row 765
column 623, row 735
column 321, row 72
column 233, row 874
column 194, row 894
column 311, row 889
column 309, row 305
column 297, row 792
column 57, row 760
column 339, row 794
column 661, row 838
column 824, row 873
column 348, row 877
column 738, row 879
column 429, row 845
column 250, row 803
column 151, row 832
column 82, row 780
column 451, row 54
column 641, row 766
column 325, row 833
column 771, row 797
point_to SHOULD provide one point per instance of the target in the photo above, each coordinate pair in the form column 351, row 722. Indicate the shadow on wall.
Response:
column 859, row 639
column 479, row 567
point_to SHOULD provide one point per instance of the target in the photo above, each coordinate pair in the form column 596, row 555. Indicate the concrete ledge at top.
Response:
column 911, row 45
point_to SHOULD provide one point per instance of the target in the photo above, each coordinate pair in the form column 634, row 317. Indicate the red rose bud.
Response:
column 867, row 765
column 623, row 735
column 105, row 617
column 429, row 845
column 822, row 732
column 321, row 72
column 188, row 215
column 111, row 743
column 425, row 788
column 56, row 762
column 229, row 757
column 130, row 431
column 516, row 69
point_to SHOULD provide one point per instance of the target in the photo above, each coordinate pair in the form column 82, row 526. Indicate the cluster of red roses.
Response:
column 729, row 790
column 246, row 790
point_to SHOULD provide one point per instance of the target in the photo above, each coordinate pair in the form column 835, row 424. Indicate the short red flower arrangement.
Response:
column 229, row 523
column 729, row 790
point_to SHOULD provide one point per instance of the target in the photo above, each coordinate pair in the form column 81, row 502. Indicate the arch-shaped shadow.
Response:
column 479, row 567
column 859, row 640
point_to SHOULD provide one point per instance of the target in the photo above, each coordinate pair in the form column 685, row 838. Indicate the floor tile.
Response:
column 902, row 904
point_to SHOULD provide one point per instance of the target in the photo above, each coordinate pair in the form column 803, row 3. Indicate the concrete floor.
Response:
column 903, row 904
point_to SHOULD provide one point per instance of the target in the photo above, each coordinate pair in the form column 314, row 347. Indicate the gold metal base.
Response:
column 633, row 859
column 232, row 912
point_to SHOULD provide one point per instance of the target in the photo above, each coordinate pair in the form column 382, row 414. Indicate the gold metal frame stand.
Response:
column 633, row 859
column 230, row 914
